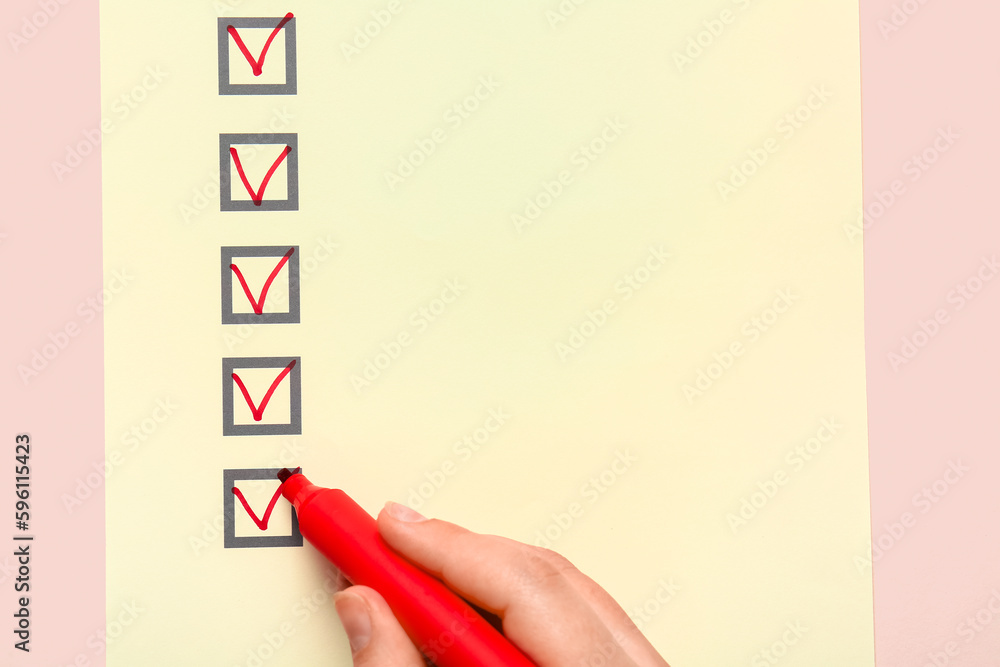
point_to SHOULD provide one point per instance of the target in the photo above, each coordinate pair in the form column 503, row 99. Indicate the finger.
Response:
column 543, row 614
column 375, row 636
column 609, row 611
column 340, row 582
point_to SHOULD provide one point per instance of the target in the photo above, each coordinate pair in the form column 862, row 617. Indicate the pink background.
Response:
column 51, row 262
column 939, row 70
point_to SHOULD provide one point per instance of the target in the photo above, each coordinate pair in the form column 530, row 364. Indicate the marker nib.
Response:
column 285, row 473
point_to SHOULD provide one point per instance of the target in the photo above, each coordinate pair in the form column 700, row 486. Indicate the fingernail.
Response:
column 354, row 617
column 403, row 513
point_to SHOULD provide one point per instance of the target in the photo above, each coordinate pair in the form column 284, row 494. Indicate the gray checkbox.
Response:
column 269, row 23
column 230, row 539
column 230, row 258
column 289, row 166
column 231, row 393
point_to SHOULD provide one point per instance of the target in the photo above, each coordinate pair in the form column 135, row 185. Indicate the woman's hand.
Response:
column 551, row 611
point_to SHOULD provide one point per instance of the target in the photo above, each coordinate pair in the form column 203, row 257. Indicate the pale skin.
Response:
column 550, row 610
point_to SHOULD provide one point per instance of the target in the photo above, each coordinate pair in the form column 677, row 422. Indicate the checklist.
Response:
column 526, row 223
column 261, row 396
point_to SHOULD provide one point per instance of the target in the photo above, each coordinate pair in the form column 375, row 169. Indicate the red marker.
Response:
column 439, row 622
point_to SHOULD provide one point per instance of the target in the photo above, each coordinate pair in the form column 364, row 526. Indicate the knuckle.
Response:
column 537, row 567
column 555, row 559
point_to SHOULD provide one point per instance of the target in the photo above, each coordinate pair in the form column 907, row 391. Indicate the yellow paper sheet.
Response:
column 572, row 273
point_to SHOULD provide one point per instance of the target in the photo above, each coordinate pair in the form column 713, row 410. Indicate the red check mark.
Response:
column 258, row 411
column 262, row 522
column 257, row 196
column 258, row 305
column 258, row 64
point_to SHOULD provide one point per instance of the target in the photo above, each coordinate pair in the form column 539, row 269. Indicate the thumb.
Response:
column 375, row 636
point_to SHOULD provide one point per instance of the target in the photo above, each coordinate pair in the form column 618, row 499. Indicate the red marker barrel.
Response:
column 439, row 622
